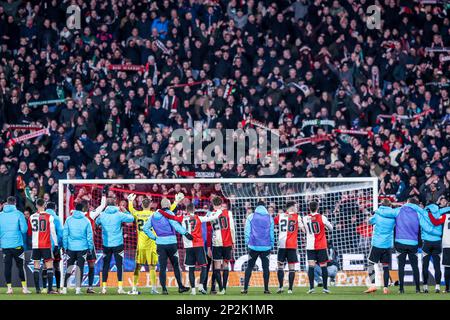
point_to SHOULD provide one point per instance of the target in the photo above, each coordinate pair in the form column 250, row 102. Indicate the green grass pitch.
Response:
column 337, row 293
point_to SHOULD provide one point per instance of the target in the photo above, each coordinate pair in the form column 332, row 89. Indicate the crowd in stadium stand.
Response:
column 112, row 92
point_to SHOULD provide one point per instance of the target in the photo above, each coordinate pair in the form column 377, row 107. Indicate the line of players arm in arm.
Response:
column 403, row 228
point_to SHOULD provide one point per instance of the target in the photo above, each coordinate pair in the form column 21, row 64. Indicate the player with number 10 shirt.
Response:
column 288, row 225
column 316, row 225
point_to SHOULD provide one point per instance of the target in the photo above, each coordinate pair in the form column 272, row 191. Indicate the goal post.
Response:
column 347, row 202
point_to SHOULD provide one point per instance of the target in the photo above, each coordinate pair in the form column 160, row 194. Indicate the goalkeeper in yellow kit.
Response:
column 146, row 247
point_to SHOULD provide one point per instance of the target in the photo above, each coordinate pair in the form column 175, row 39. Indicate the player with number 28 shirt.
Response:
column 288, row 225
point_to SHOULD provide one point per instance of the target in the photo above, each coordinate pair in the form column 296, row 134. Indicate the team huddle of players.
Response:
column 404, row 228
column 157, row 243
column 208, row 239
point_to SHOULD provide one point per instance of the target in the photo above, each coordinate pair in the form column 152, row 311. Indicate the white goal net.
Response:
column 347, row 202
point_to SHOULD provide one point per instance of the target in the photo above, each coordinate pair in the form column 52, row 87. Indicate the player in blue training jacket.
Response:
column 77, row 240
column 13, row 233
column 50, row 208
column 432, row 246
column 382, row 242
column 111, row 222
column 259, row 237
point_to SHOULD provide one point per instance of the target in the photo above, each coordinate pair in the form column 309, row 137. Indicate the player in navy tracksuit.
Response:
column 259, row 237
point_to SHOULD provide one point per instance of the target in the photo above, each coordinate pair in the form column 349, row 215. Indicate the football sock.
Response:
column 208, row 267
column 91, row 276
column 192, row 277
column 50, row 279
column 371, row 272
column 226, row 273
column 36, row 279
column 447, row 278
column 203, row 275
column 325, row 277
column 213, row 280
column 311, row 277
column 218, row 277
column 280, row 275
column 136, row 275
column 44, row 278
column 386, row 276
column 291, row 278
column 152, row 272
column 425, row 265
column 58, row 278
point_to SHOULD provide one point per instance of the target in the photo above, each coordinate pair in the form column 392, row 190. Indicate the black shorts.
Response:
column 15, row 253
column 432, row 247
column 195, row 256
column 113, row 250
column 76, row 255
column 222, row 253
column 446, row 257
column 44, row 254
column 91, row 256
column 261, row 254
column 165, row 251
column 406, row 248
column 56, row 255
column 382, row 255
column 289, row 255
column 320, row 256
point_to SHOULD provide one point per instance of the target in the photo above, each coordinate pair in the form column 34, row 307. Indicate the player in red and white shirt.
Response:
column 41, row 229
column 195, row 248
column 288, row 225
column 223, row 240
column 315, row 225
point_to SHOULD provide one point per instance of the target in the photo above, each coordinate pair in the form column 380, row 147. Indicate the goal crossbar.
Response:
column 63, row 182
